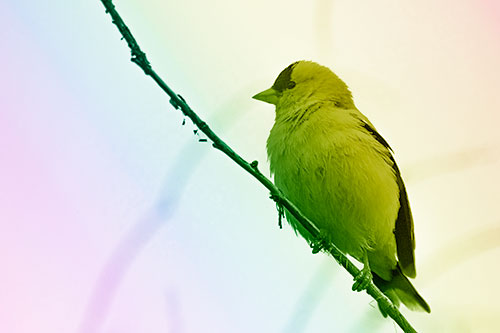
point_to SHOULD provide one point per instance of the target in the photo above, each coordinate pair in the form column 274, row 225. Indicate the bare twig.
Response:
column 139, row 58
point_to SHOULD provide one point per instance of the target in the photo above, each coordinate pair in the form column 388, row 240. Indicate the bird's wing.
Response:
column 405, row 238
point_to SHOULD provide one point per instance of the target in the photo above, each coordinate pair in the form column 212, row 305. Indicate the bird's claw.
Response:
column 319, row 244
column 362, row 280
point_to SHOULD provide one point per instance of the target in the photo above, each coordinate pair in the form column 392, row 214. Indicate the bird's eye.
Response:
column 291, row 84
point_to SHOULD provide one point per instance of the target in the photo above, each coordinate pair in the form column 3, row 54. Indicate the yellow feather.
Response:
column 328, row 159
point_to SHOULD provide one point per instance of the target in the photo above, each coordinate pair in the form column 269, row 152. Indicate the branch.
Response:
column 139, row 58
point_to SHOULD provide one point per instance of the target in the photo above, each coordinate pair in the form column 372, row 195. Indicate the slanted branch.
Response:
column 321, row 244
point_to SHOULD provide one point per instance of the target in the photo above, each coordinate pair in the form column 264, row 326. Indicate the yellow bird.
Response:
column 329, row 160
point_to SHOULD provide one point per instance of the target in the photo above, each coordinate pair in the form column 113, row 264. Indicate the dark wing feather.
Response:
column 405, row 239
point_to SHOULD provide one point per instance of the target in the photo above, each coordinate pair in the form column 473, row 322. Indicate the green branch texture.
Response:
column 179, row 103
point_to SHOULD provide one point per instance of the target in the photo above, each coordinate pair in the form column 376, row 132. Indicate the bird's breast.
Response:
column 330, row 169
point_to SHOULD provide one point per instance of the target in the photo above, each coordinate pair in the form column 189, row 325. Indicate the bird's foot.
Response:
column 321, row 243
column 317, row 246
column 363, row 279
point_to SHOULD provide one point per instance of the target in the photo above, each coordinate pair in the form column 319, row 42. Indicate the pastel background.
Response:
column 113, row 218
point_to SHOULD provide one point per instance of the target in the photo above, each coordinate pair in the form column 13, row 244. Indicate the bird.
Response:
column 330, row 161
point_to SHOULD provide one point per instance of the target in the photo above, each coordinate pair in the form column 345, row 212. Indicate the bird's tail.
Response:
column 400, row 290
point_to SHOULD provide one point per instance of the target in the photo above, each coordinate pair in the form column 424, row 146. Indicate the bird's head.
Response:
column 304, row 83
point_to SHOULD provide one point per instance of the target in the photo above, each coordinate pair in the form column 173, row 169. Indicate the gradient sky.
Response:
column 115, row 219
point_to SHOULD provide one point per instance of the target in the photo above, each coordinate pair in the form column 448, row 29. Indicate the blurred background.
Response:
column 114, row 218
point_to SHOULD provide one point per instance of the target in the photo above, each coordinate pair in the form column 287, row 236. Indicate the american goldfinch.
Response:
column 329, row 160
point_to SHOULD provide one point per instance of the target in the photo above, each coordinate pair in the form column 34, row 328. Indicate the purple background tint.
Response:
column 114, row 219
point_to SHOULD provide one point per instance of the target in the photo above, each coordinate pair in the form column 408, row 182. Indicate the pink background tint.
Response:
column 114, row 218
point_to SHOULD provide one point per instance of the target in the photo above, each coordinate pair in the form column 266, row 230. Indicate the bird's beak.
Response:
column 269, row 96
